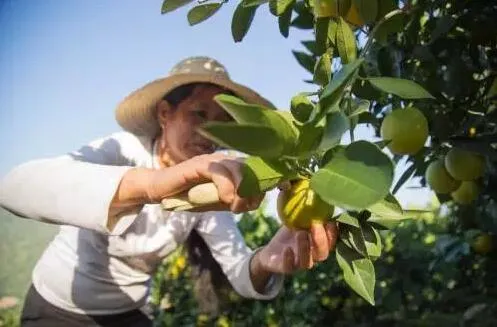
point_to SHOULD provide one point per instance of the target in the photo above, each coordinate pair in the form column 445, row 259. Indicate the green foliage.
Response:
column 426, row 275
column 367, row 58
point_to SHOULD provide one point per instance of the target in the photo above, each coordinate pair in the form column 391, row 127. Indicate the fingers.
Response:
column 304, row 251
column 332, row 234
column 288, row 261
column 320, row 242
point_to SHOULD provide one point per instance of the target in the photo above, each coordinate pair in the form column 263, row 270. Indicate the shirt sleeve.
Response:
column 73, row 189
column 228, row 247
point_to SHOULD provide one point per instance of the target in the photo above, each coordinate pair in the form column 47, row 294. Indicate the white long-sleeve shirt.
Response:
column 89, row 269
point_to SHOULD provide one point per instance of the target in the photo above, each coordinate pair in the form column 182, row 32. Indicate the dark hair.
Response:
column 210, row 282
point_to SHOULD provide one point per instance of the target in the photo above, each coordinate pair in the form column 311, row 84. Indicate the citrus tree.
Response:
column 384, row 63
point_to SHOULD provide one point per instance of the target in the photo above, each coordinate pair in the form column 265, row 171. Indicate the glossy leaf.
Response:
column 403, row 88
column 171, row 5
column 321, row 34
column 337, row 124
column 284, row 21
column 278, row 7
column 346, row 42
column 333, row 92
column 404, row 178
column 200, row 13
column 241, row 138
column 355, row 178
column 347, row 219
column 241, row 21
column 305, row 60
column 251, row 3
column 261, row 175
column 358, row 271
column 352, row 237
column 250, row 114
column 368, row 9
column 372, row 240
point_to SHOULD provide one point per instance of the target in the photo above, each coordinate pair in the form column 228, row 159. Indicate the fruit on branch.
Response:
column 439, row 179
column 466, row 193
column 406, row 129
column 483, row 244
column 299, row 206
column 464, row 165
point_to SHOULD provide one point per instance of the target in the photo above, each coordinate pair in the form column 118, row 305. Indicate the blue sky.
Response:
column 65, row 64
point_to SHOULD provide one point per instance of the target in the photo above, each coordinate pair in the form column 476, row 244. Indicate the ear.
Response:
column 163, row 112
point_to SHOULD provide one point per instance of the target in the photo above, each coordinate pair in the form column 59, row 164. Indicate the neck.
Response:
column 165, row 159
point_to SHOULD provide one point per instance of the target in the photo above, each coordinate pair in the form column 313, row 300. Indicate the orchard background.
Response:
column 437, row 267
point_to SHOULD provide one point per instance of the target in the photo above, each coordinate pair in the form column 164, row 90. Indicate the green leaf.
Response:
column 347, row 219
column 355, row 178
column 368, row 9
column 333, row 92
column 260, row 175
column 310, row 45
column 308, row 141
column 345, row 42
column 244, row 113
column 403, row 88
column 252, row 3
column 284, row 21
column 305, row 60
column 353, row 238
column 200, row 13
column 391, row 221
column 322, row 71
column 170, row 5
column 358, row 272
column 241, row 138
column 278, row 7
column 387, row 212
column 404, row 178
column 492, row 91
column 321, row 34
column 372, row 241
column 359, row 107
column 241, row 21
column 336, row 124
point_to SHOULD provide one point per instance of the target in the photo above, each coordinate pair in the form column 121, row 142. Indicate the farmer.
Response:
column 113, row 232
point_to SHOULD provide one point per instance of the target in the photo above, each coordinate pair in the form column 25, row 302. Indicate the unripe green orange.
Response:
column 466, row 193
column 439, row 179
column 464, row 165
column 300, row 206
column 483, row 244
column 407, row 130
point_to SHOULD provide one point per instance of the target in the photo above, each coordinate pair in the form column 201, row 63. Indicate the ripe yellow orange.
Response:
column 464, row 165
column 439, row 179
column 300, row 206
column 483, row 244
column 407, row 130
column 466, row 192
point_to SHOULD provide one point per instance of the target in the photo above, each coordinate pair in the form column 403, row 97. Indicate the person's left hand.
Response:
column 291, row 250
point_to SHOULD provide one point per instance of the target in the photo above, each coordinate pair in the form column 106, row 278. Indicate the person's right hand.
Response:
column 223, row 170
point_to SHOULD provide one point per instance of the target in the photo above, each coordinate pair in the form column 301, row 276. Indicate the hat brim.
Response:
column 137, row 112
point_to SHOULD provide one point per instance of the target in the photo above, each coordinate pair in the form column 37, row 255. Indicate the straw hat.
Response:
column 137, row 112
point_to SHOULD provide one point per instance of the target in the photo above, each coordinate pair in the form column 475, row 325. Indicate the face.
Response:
column 181, row 122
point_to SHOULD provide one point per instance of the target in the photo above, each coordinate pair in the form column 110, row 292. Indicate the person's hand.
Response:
column 291, row 250
column 223, row 170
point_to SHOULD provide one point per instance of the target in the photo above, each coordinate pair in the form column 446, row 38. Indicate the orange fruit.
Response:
column 300, row 206
column 464, row 165
column 439, row 179
column 406, row 129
